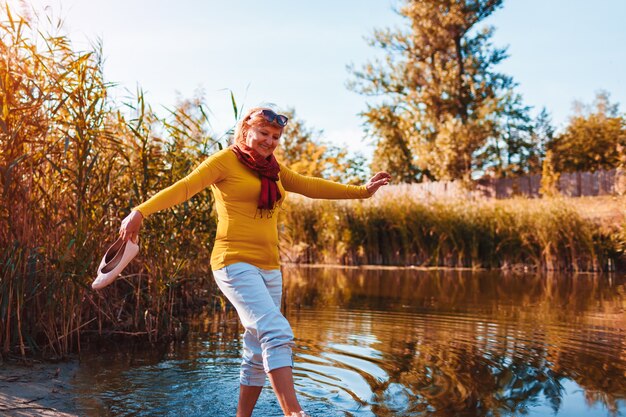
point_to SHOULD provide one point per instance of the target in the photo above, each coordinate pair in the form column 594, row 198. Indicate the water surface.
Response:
column 396, row 342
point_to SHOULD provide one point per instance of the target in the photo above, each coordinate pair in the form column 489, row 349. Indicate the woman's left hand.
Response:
column 377, row 181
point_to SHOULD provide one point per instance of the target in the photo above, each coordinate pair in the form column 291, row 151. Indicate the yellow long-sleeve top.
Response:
column 242, row 235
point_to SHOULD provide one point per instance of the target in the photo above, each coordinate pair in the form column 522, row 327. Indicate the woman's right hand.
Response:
column 131, row 225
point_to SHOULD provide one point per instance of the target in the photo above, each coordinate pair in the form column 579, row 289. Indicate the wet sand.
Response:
column 40, row 389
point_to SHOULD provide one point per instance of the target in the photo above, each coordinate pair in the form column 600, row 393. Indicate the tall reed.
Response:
column 72, row 164
column 399, row 230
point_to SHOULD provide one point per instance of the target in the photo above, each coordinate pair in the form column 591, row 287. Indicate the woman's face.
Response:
column 264, row 138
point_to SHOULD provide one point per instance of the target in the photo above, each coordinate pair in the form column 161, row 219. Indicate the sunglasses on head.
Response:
column 272, row 117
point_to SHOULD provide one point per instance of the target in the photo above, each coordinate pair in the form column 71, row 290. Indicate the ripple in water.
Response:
column 399, row 343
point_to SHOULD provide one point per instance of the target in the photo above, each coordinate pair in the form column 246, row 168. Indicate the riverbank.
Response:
column 38, row 389
column 564, row 234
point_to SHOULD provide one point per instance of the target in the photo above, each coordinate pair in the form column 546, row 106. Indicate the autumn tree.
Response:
column 620, row 174
column 549, row 177
column 303, row 150
column 438, row 98
column 392, row 153
column 592, row 138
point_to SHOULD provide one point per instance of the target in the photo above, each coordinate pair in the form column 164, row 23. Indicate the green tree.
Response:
column 590, row 142
column 520, row 148
column 541, row 134
column 440, row 100
column 303, row 150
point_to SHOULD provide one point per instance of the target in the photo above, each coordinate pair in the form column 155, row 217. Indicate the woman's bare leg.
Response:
column 248, row 395
column 282, row 382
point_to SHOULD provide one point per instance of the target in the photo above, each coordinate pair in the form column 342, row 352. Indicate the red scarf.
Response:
column 268, row 170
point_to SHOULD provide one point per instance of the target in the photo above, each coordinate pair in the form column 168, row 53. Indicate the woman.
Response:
column 248, row 184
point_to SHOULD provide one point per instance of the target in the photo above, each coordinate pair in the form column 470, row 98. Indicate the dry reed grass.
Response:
column 72, row 163
column 548, row 234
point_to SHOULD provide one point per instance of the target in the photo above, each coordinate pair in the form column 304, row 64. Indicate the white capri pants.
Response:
column 267, row 341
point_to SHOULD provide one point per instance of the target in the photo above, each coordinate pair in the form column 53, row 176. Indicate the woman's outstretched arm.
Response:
column 314, row 187
column 210, row 171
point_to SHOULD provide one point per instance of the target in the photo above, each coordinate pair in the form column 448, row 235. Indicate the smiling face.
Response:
column 263, row 138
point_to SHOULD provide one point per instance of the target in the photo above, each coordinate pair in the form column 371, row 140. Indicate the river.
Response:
column 395, row 342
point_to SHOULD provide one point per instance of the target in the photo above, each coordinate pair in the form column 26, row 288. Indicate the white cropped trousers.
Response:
column 267, row 341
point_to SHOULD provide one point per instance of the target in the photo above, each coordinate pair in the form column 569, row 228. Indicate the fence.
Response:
column 575, row 184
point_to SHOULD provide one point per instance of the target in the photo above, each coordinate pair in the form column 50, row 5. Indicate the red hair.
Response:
column 250, row 119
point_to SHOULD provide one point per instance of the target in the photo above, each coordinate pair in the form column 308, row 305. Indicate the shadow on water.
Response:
column 397, row 343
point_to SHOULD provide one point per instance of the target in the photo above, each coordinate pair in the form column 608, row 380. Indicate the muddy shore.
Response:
column 37, row 389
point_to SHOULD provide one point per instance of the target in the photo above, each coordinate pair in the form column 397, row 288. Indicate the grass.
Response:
column 547, row 234
column 605, row 211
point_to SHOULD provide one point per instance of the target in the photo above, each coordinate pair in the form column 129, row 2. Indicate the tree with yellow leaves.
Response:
column 592, row 139
column 303, row 150
column 442, row 100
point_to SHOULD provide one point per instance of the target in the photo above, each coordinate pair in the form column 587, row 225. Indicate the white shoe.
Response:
column 114, row 261
column 300, row 414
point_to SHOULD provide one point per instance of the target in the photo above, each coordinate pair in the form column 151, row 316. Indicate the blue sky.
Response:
column 294, row 53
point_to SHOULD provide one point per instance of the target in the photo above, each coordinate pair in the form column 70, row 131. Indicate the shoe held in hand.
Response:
column 114, row 261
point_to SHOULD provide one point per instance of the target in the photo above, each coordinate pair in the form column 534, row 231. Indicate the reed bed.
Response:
column 546, row 234
column 72, row 164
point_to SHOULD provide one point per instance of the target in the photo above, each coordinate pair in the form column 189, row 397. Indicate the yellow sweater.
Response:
column 242, row 235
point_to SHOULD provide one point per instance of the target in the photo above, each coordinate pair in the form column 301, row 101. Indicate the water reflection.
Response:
column 438, row 343
column 399, row 343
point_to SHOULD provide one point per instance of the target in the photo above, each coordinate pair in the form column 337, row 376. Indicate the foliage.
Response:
column 620, row 174
column 549, row 177
column 393, row 153
column 520, row 149
column 592, row 139
column 543, row 234
column 303, row 150
column 443, row 107
column 71, row 164
column 541, row 134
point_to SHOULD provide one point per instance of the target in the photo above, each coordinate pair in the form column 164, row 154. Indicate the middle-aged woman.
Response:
column 248, row 185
